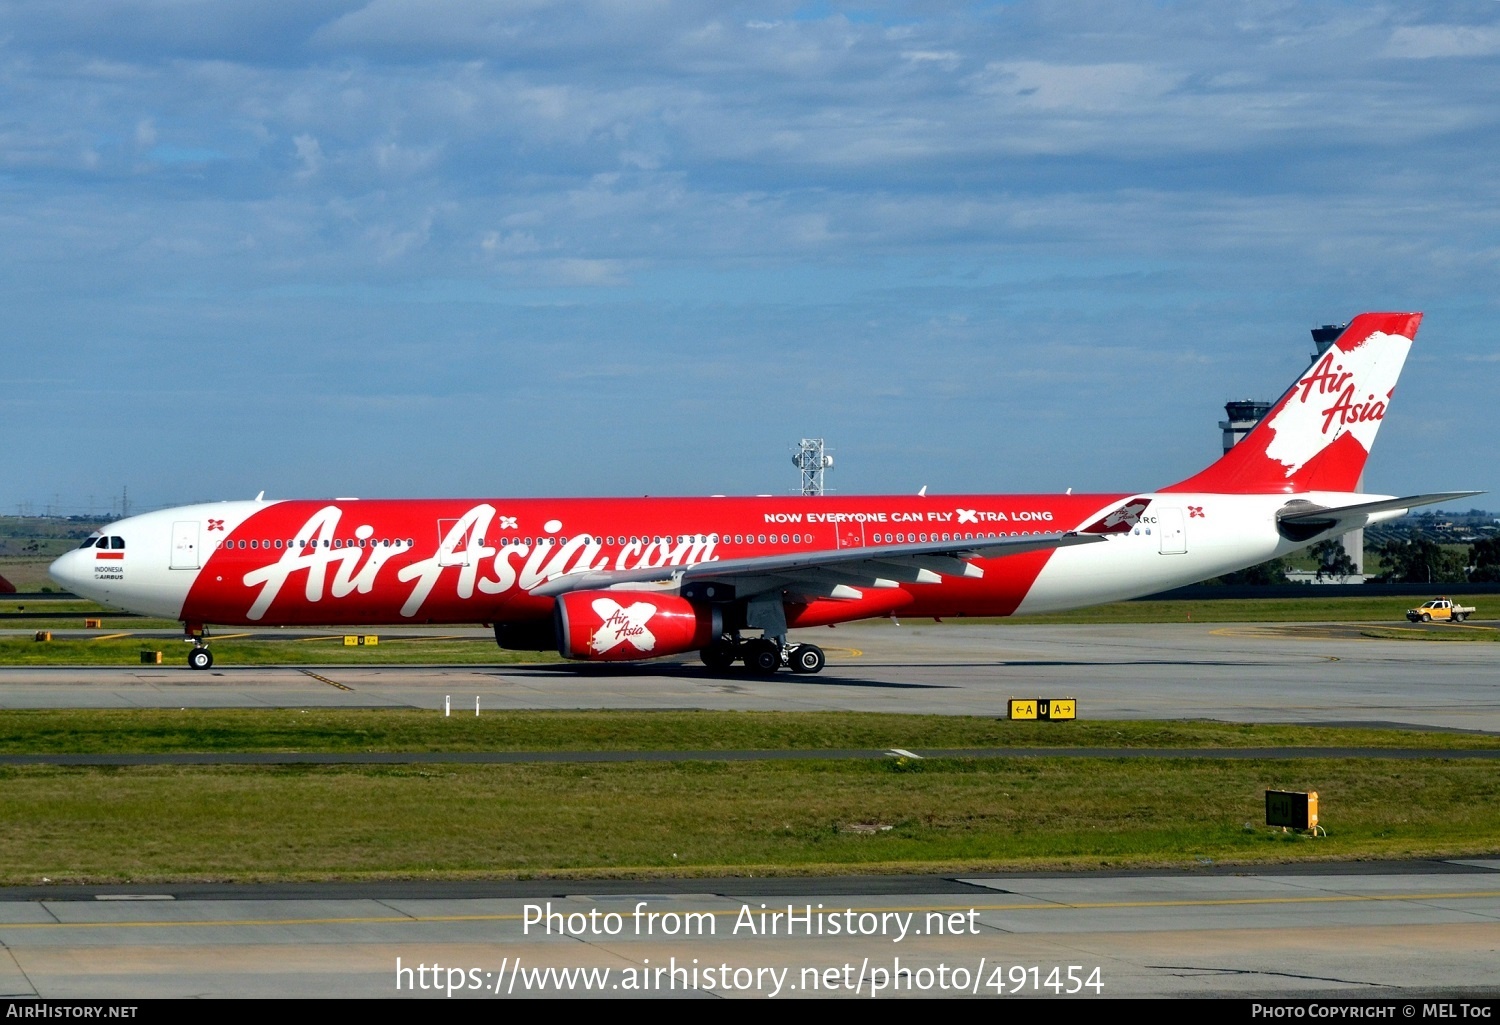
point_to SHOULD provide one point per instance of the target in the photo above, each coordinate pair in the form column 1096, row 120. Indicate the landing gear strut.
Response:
column 200, row 657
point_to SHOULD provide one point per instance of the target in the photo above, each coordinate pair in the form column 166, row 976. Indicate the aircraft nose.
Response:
column 71, row 570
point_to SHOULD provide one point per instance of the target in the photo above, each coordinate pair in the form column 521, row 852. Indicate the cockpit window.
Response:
column 116, row 543
column 88, row 542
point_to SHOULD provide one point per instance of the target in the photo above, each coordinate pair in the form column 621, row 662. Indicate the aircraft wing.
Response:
column 821, row 573
column 1315, row 519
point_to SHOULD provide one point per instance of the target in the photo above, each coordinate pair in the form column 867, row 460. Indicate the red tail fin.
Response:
column 1318, row 436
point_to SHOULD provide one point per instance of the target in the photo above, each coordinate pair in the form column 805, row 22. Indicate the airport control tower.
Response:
column 1244, row 414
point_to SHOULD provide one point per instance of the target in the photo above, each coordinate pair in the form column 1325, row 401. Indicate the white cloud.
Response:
column 1085, row 87
column 1427, row 41
column 946, row 59
column 310, row 152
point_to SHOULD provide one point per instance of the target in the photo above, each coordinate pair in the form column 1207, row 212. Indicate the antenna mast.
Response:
column 813, row 460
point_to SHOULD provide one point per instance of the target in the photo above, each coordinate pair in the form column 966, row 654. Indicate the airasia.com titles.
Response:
column 463, row 553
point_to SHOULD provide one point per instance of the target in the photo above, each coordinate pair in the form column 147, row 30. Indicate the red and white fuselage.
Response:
column 350, row 562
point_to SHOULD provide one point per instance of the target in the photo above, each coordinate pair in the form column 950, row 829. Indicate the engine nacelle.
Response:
column 620, row 626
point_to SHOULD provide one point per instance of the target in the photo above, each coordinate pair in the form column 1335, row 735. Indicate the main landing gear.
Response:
column 764, row 655
column 200, row 657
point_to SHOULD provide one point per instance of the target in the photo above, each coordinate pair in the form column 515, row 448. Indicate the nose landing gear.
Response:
column 200, row 657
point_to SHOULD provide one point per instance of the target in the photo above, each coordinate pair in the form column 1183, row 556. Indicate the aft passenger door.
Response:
column 1173, row 534
column 185, row 544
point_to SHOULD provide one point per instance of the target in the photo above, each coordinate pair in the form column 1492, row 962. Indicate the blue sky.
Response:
column 476, row 248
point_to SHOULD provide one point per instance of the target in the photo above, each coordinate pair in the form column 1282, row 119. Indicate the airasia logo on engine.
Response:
column 616, row 626
column 621, row 625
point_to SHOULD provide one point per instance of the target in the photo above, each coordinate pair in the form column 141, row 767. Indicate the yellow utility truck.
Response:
column 1439, row 610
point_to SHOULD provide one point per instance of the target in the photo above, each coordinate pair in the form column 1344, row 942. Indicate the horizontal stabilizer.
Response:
column 1299, row 520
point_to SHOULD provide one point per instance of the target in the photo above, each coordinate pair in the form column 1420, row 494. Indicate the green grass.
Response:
column 705, row 817
column 709, row 818
column 1252, row 610
column 128, row 731
column 71, row 609
column 1442, row 632
column 324, row 650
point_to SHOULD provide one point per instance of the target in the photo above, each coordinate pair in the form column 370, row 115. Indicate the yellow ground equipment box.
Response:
column 1292, row 809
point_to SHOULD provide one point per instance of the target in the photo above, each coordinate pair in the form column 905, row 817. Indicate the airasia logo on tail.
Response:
column 1121, row 520
column 1346, row 391
column 1330, row 378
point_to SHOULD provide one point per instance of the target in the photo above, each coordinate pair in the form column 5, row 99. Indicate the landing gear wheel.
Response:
column 719, row 655
column 763, row 657
column 808, row 658
column 200, row 658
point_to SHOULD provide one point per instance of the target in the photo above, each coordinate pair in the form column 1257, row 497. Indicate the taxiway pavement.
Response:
column 1388, row 933
column 1163, row 671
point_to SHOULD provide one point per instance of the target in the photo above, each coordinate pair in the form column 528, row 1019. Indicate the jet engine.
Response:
column 620, row 626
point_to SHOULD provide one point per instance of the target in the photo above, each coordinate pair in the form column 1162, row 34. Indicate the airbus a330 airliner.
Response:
column 618, row 579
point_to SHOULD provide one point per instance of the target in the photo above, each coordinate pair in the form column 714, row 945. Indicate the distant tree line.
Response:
column 1421, row 560
column 1414, row 560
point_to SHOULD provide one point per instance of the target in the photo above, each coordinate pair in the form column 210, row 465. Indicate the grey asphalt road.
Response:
column 1380, row 934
